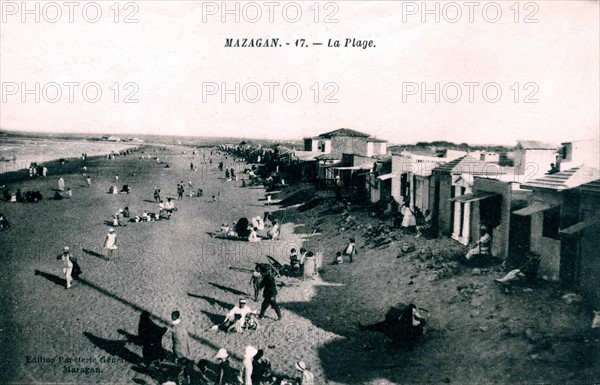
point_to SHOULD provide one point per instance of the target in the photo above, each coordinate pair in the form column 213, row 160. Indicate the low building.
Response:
column 580, row 259
column 411, row 178
column 554, row 206
column 534, row 157
column 328, row 150
column 365, row 178
column 486, row 156
column 326, row 174
column 346, row 141
column 452, row 180
column 490, row 203
column 576, row 153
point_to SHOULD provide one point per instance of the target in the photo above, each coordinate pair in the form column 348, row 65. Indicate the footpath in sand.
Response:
column 477, row 334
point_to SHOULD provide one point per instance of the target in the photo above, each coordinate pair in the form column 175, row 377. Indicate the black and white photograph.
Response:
column 300, row 192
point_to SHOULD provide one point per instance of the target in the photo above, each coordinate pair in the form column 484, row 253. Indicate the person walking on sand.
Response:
column 179, row 338
column 61, row 184
column 110, row 243
column 190, row 185
column 269, row 294
column 67, row 263
column 180, row 191
column 88, row 180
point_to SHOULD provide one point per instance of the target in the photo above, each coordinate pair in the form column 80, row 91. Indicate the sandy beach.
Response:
column 19, row 153
column 478, row 335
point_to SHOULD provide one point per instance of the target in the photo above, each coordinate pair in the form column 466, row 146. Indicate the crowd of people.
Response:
column 242, row 318
column 253, row 230
column 27, row 197
column 255, row 368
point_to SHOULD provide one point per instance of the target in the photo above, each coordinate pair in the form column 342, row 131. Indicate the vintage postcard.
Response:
column 300, row 192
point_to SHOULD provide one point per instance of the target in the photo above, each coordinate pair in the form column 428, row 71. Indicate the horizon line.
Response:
column 18, row 131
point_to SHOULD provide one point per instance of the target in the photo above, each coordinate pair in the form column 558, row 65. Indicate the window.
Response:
column 551, row 224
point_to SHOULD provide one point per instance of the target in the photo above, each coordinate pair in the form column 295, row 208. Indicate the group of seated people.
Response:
column 151, row 217
column 115, row 190
column 385, row 208
column 299, row 262
column 18, row 196
column 197, row 194
column 238, row 319
column 120, row 217
column 246, row 230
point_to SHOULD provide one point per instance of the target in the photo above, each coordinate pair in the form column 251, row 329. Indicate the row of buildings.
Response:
column 548, row 202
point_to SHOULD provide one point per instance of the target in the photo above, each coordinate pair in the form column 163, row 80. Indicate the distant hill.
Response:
column 444, row 145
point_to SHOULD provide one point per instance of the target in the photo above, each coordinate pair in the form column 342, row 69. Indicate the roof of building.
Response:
column 536, row 145
column 329, row 156
column 470, row 165
column 344, row 132
column 567, row 179
column 432, row 154
column 593, row 186
column 375, row 140
column 307, row 155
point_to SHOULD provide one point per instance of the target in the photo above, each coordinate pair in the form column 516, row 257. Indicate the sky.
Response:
column 163, row 68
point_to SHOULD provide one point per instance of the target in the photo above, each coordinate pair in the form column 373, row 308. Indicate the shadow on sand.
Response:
column 95, row 254
column 116, row 348
column 52, row 278
column 355, row 357
column 212, row 301
column 119, row 349
column 214, row 318
column 354, row 353
column 228, row 289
